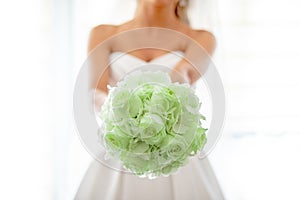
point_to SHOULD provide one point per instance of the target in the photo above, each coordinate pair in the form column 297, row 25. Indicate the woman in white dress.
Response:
column 194, row 181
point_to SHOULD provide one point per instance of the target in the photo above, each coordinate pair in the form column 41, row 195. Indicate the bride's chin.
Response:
column 160, row 3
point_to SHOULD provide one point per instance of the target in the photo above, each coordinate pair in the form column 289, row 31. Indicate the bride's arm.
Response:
column 199, row 57
column 98, row 60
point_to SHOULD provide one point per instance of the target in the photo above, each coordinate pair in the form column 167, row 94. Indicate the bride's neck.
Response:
column 148, row 14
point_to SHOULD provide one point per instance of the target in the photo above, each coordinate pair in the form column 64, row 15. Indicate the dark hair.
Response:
column 181, row 10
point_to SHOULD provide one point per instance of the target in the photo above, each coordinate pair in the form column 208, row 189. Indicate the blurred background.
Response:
column 43, row 44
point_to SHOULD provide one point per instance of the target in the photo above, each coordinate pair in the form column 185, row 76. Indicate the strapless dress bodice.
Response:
column 122, row 63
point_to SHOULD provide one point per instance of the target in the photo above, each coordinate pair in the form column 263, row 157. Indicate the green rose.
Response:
column 174, row 146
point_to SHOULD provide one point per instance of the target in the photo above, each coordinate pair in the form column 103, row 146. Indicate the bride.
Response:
column 162, row 29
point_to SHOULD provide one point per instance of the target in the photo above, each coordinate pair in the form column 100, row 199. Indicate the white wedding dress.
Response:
column 195, row 181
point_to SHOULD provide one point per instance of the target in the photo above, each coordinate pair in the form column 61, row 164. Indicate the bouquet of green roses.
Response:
column 150, row 124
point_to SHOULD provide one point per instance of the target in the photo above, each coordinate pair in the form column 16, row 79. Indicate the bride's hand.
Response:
column 185, row 72
column 179, row 74
column 98, row 99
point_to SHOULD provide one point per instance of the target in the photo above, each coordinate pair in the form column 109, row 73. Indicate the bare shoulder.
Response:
column 100, row 33
column 206, row 39
column 104, row 28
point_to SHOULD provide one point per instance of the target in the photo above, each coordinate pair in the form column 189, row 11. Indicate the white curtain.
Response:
column 29, row 79
column 258, row 58
column 260, row 66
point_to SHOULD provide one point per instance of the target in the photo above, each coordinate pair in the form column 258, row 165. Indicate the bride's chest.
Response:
column 149, row 45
